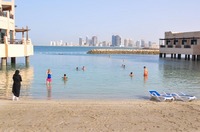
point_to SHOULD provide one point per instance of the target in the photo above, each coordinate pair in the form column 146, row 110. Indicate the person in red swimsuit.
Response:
column 48, row 80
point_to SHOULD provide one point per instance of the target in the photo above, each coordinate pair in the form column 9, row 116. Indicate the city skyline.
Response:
column 116, row 41
column 67, row 20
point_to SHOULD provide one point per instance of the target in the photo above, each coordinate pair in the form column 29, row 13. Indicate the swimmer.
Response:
column 145, row 71
column 83, row 68
column 131, row 74
column 48, row 80
column 65, row 77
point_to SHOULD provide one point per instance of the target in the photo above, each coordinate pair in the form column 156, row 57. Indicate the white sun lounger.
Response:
column 183, row 97
column 160, row 97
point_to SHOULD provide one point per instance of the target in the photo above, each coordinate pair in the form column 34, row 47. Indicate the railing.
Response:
column 170, row 46
column 187, row 46
column 13, row 41
column 178, row 46
column 5, row 14
column 162, row 46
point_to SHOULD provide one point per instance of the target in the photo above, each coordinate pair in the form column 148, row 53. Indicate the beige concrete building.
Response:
column 183, row 43
column 10, row 46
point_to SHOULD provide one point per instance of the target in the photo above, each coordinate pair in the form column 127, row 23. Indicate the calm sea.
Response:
column 104, row 78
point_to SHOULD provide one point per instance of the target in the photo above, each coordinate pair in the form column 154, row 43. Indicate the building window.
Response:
column 193, row 42
column 168, row 42
column 184, row 42
column 175, row 41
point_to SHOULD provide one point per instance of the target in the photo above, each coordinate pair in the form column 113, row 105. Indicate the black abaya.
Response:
column 17, row 83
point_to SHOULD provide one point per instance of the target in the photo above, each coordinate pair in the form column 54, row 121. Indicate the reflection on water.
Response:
column 145, row 79
column 49, row 87
column 6, row 74
column 180, row 75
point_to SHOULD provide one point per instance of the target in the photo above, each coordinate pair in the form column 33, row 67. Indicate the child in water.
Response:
column 48, row 80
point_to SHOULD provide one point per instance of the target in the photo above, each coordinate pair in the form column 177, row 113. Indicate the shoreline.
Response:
column 99, row 115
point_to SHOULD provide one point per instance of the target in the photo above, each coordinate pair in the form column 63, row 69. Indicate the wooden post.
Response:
column 27, row 60
column 185, row 57
column 160, row 55
column 13, row 60
column 3, row 61
column 188, row 57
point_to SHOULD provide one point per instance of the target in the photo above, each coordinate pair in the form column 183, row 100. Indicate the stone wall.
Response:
column 124, row 51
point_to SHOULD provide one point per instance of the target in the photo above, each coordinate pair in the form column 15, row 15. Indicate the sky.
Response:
column 67, row 20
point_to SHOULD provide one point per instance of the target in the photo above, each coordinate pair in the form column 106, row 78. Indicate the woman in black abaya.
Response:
column 16, row 85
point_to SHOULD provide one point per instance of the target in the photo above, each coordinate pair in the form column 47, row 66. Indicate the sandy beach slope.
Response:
column 97, row 115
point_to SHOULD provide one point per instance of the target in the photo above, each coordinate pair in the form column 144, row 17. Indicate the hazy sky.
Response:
column 67, row 20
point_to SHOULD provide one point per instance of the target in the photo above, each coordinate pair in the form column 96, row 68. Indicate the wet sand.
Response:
column 99, row 115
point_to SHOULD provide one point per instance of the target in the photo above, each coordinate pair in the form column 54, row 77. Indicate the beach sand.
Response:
column 99, row 115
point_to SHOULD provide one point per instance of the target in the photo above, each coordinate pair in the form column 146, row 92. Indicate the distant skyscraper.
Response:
column 94, row 41
column 149, row 44
column 130, row 43
column 125, row 42
column 116, row 40
column 137, row 43
column 87, row 40
column 142, row 43
column 113, row 40
column 80, row 41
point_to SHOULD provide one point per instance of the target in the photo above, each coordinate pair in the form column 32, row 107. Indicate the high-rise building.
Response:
column 149, row 44
column 80, row 41
column 130, row 43
column 137, row 43
column 87, row 40
column 113, row 40
column 125, row 42
column 94, row 41
column 142, row 43
column 116, row 40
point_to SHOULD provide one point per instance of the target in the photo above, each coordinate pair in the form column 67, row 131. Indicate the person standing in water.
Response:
column 65, row 77
column 145, row 71
column 16, row 85
column 83, row 68
column 48, row 80
column 131, row 74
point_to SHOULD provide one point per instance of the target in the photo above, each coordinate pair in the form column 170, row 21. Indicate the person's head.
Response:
column 144, row 67
column 48, row 70
column 17, row 72
column 131, row 73
column 64, row 75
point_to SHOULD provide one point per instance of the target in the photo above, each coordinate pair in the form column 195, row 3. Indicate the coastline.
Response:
column 124, row 51
column 99, row 115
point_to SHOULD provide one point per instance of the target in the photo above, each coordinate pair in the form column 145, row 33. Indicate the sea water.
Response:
column 104, row 77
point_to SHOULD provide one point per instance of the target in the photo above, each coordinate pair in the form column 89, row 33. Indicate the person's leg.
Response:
column 13, row 98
